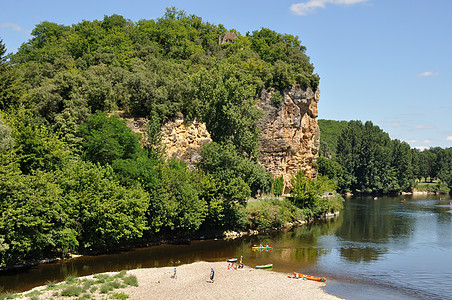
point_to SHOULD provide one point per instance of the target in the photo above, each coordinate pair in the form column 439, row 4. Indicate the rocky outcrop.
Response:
column 184, row 140
column 137, row 125
column 290, row 136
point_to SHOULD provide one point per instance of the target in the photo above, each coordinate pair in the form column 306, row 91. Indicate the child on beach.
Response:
column 212, row 274
column 241, row 262
column 175, row 274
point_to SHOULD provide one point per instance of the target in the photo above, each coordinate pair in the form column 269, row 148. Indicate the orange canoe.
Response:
column 299, row 275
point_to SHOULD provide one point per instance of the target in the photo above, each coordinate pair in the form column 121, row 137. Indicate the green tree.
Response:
column 330, row 131
column 36, row 147
column 231, row 114
column 305, row 192
column 401, row 163
column 183, row 211
column 106, row 139
column 278, row 186
column 104, row 213
column 426, row 161
column 364, row 151
column 8, row 85
column 34, row 221
column 238, row 176
column 311, row 194
column 6, row 140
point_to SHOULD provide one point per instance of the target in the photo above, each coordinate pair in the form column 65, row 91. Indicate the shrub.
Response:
column 105, row 288
column 278, row 186
column 121, row 274
column 50, row 285
column 71, row 291
column 267, row 214
column 277, row 99
column 131, row 280
column 119, row 296
column 70, row 279
column 87, row 284
column 33, row 294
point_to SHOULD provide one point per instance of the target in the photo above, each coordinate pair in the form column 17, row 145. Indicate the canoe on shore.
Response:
column 232, row 260
column 299, row 275
column 267, row 266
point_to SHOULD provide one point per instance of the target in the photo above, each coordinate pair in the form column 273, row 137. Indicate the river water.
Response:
column 376, row 249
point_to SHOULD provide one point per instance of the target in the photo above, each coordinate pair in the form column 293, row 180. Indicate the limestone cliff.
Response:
column 181, row 140
column 184, row 141
column 290, row 136
column 289, row 139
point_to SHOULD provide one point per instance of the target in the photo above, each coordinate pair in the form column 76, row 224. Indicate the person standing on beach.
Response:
column 212, row 274
column 175, row 273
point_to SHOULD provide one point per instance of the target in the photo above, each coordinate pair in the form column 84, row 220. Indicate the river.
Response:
column 376, row 249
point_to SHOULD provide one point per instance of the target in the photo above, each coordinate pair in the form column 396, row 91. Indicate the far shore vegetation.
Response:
column 361, row 158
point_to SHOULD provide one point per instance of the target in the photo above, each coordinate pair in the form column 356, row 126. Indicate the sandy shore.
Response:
column 193, row 283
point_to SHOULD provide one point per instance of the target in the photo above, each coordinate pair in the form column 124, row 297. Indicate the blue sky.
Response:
column 387, row 61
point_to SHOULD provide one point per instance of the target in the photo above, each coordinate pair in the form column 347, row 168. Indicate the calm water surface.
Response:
column 376, row 249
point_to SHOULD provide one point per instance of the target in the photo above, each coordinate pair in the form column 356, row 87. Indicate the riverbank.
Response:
column 193, row 283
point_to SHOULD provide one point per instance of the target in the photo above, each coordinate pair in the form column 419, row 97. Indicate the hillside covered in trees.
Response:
column 362, row 158
column 74, row 178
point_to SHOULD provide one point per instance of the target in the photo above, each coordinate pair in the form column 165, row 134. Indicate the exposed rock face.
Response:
column 137, row 125
column 184, row 141
column 289, row 140
column 290, row 136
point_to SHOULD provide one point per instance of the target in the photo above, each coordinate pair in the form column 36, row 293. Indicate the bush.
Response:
column 70, row 279
column 278, row 186
column 330, row 204
column 119, row 296
column 106, row 287
column 33, row 294
column 309, row 193
column 268, row 214
column 277, row 99
column 121, row 274
column 131, row 280
column 71, row 291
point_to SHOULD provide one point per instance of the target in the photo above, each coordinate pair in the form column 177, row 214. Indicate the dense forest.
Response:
column 362, row 158
column 75, row 179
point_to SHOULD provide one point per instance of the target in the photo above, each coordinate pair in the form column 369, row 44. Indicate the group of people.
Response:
column 212, row 272
column 234, row 266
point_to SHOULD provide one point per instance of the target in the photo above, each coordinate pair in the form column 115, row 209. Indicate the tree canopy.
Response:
column 366, row 160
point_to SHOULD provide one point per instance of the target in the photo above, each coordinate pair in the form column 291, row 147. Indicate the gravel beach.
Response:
column 193, row 282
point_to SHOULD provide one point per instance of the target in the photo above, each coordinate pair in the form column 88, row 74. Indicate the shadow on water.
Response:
column 384, row 249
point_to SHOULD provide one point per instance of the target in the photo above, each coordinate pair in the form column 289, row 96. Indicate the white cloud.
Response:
column 396, row 124
column 425, row 127
column 427, row 142
column 411, row 141
column 449, row 138
column 422, row 148
column 305, row 8
column 11, row 25
column 428, row 74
